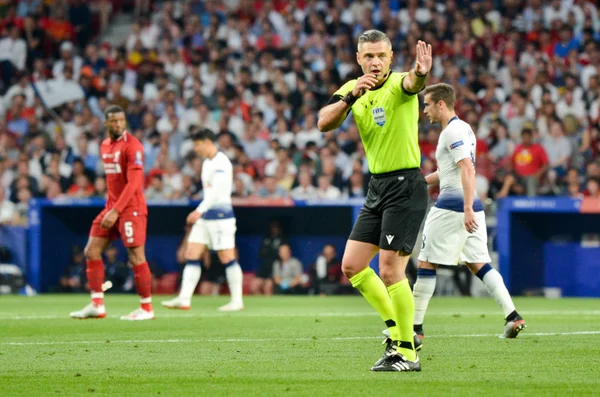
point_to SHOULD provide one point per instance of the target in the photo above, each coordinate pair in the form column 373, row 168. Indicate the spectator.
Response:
column 284, row 160
column 306, row 190
column 558, row 149
column 158, row 190
column 80, row 17
column 7, row 210
column 255, row 148
column 22, row 207
column 82, row 188
column 530, row 161
column 325, row 191
column 75, row 279
column 13, row 55
column 592, row 188
column 287, row 272
column 270, row 189
column 269, row 252
column 327, row 273
column 356, row 186
column 117, row 271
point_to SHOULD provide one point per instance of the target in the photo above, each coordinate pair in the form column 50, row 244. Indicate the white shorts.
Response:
column 217, row 235
column 447, row 242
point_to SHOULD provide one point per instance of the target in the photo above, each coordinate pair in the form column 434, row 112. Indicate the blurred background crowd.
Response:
column 257, row 72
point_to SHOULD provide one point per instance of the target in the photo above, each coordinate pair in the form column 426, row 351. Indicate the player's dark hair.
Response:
column 442, row 92
column 112, row 109
column 373, row 36
column 203, row 134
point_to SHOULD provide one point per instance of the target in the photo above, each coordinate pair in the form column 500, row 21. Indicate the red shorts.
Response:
column 131, row 227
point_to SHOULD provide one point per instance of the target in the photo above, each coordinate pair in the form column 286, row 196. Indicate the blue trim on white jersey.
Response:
column 451, row 120
column 214, row 214
column 456, row 204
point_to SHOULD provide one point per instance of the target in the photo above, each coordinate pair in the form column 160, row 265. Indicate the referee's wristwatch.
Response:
column 349, row 98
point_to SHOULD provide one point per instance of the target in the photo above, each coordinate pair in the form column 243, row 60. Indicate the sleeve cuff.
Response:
column 405, row 90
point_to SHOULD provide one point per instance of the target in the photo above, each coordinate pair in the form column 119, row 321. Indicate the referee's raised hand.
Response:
column 424, row 58
column 364, row 83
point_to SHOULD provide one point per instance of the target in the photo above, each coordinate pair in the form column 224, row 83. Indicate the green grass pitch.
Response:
column 293, row 346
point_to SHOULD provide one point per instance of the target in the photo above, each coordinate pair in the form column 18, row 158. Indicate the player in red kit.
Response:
column 125, row 215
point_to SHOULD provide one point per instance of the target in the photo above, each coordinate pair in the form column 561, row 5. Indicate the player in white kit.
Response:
column 455, row 228
column 213, row 226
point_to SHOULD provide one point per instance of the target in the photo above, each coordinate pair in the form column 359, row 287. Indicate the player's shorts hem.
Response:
column 435, row 262
column 479, row 260
column 459, row 263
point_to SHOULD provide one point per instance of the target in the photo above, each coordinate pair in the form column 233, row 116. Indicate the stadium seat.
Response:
column 167, row 284
column 247, row 284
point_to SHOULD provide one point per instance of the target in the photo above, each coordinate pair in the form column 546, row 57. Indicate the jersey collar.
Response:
column 386, row 79
column 451, row 120
column 123, row 136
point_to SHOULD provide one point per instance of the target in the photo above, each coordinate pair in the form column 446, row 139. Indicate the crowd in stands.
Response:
column 257, row 72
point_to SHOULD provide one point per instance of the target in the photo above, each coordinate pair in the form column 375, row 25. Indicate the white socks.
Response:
column 494, row 283
column 189, row 280
column 422, row 292
column 234, row 275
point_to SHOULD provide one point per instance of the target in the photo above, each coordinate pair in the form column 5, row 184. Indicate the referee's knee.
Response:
column 351, row 269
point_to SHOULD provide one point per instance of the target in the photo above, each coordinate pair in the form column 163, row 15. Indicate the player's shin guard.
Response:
column 235, row 277
column 422, row 292
column 374, row 291
column 189, row 280
column 95, row 276
column 495, row 286
column 404, row 310
column 143, row 285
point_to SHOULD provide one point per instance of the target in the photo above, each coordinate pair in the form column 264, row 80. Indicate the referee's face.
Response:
column 375, row 58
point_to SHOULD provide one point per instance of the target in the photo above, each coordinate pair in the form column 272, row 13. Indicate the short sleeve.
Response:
column 342, row 91
column 457, row 142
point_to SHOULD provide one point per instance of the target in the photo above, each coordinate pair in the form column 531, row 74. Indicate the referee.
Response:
column 386, row 110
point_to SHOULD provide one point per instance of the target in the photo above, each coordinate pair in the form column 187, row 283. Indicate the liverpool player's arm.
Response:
column 135, row 178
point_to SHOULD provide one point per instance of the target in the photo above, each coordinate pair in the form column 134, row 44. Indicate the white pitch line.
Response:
column 259, row 340
column 326, row 314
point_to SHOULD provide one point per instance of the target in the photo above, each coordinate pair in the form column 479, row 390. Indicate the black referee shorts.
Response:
column 394, row 209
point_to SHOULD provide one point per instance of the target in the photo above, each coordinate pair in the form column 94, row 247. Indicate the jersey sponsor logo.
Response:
column 112, row 168
column 379, row 116
column 456, row 144
column 389, row 238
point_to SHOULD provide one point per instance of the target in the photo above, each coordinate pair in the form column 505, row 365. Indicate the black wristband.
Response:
column 349, row 98
column 419, row 74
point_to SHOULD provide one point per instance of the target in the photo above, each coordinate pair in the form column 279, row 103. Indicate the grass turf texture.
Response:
column 292, row 346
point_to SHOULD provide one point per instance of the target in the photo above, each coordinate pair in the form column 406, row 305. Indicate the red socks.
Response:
column 95, row 277
column 143, row 284
column 141, row 275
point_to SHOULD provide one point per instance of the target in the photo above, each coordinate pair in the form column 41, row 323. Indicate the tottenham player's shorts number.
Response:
column 128, row 229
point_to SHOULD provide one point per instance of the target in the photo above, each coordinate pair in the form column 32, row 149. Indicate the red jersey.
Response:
column 123, row 161
column 529, row 160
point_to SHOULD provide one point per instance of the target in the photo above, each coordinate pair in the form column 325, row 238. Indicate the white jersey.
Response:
column 217, row 184
column 445, row 239
column 457, row 142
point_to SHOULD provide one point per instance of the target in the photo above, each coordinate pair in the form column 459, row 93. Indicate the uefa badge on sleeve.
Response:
column 379, row 116
column 138, row 158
